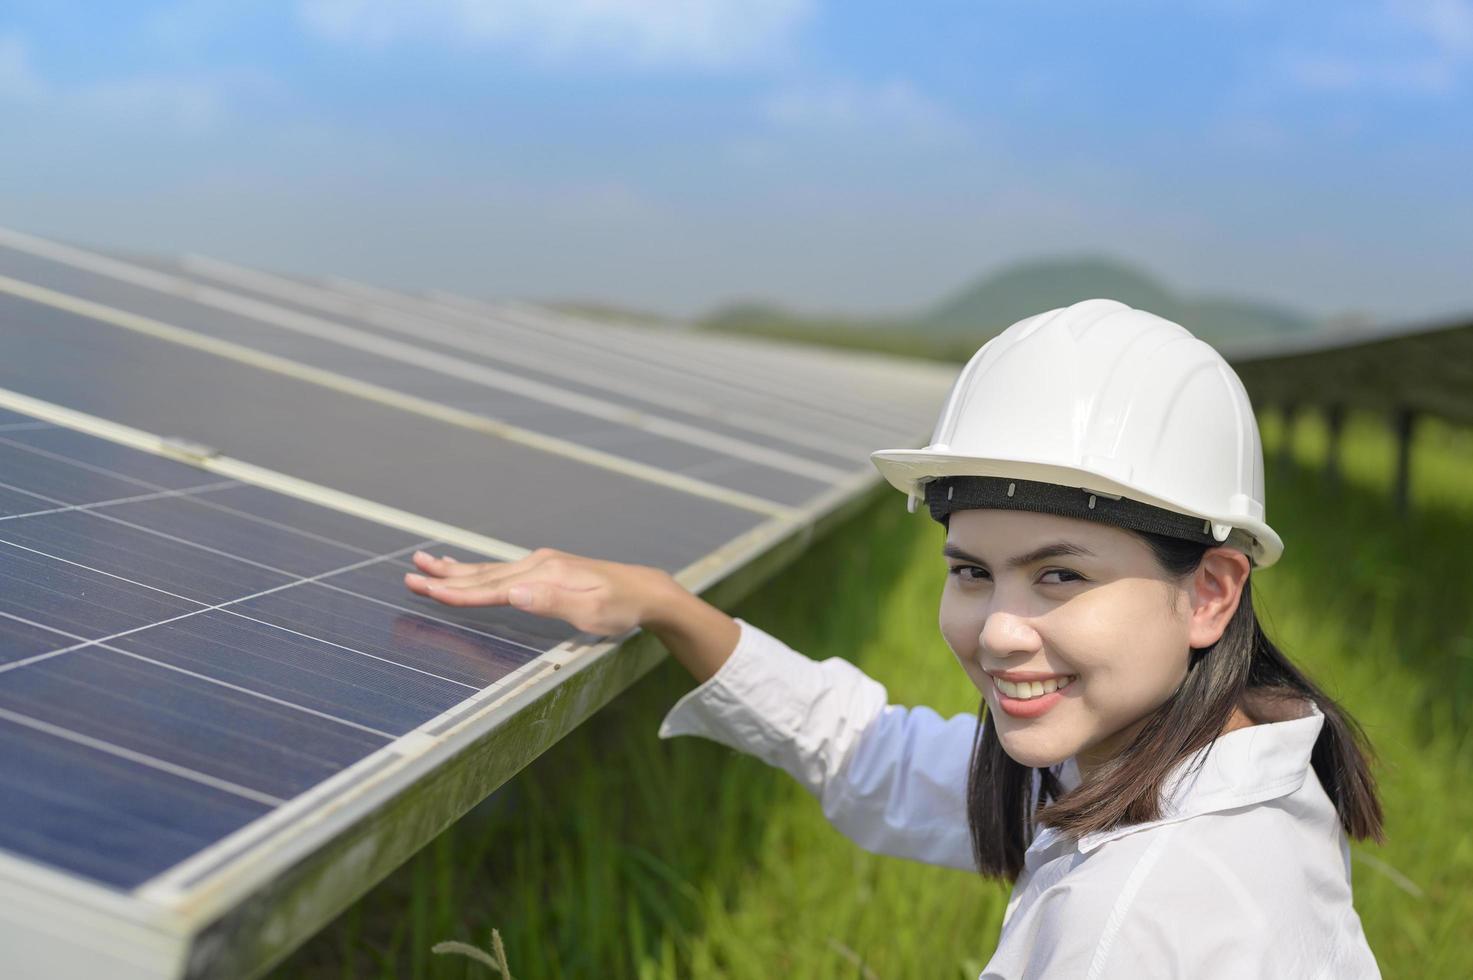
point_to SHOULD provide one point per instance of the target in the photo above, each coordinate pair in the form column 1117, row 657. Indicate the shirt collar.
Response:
column 1245, row 766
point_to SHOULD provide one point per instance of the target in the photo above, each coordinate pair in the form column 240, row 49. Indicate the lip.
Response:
column 1031, row 708
column 1019, row 676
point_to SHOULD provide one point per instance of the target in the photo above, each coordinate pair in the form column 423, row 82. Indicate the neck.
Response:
column 1090, row 759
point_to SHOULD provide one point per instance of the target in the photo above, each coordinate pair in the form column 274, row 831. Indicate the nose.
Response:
column 1005, row 634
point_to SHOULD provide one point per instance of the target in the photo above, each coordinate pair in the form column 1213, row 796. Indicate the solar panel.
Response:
column 185, row 654
column 424, row 369
column 1419, row 367
column 223, row 716
column 717, row 395
column 335, row 437
column 829, row 385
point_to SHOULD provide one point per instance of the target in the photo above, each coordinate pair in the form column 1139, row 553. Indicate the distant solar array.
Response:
column 222, row 715
column 1402, row 372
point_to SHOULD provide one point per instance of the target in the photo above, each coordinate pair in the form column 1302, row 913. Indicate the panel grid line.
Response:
column 58, row 457
column 409, row 523
column 204, row 608
column 139, row 757
column 394, row 398
column 231, row 510
column 67, row 508
column 434, row 328
column 346, row 335
column 62, row 458
column 206, row 677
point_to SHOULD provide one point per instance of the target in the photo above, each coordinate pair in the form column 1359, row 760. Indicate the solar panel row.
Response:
column 222, row 714
column 337, row 354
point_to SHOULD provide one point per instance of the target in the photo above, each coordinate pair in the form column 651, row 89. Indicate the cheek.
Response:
column 960, row 626
column 1131, row 650
column 962, row 630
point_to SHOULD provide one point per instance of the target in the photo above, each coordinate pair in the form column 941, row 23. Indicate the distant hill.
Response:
column 997, row 300
column 954, row 328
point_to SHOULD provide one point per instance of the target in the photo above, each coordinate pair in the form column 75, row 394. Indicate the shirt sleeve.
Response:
column 891, row 778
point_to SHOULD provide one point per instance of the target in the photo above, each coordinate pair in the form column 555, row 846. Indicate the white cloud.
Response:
column 895, row 107
column 1448, row 23
column 187, row 102
column 645, row 33
column 18, row 80
column 1415, row 76
column 1415, row 47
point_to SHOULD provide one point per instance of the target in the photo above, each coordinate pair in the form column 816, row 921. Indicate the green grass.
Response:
column 620, row 855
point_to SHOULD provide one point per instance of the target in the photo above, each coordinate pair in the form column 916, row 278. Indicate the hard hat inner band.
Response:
column 948, row 493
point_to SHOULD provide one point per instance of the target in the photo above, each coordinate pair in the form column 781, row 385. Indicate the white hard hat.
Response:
column 1104, row 412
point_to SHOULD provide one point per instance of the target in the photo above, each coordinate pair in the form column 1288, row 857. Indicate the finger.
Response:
column 544, row 597
column 418, row 584
column 455, row 592
column 447, row 567
column 489, row 588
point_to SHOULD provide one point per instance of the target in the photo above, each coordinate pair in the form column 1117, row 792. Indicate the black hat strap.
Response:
column 948, row 493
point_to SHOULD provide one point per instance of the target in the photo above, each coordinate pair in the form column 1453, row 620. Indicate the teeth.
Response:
column 1032, row 689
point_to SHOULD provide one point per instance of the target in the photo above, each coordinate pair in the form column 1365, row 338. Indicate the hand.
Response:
column 605, row 598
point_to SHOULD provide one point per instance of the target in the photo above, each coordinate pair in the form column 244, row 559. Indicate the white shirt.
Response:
column 1246, row 875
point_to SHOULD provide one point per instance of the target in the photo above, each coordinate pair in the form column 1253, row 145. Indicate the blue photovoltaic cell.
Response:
column 194, row 519
column 486, row 337
column 110, row 819
column 303, row 519
column 442, row 387
column 14, row 502
column 99, row 457
column 177, row 718
column 19, row 640
column 473, row 480
column 310, row 672
column 185, row 651
column 443, row 650
column 91, row 540
column 385, row 580
column 67, row 483
column 77, row 600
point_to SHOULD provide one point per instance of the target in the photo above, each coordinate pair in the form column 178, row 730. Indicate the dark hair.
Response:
column 1127, row 789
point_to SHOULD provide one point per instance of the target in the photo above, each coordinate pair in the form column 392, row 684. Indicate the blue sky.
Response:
column 852, row 156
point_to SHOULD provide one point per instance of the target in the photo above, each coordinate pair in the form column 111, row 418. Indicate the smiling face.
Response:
column 1105, row 613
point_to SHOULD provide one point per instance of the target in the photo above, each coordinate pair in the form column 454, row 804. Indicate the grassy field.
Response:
column 621, row 855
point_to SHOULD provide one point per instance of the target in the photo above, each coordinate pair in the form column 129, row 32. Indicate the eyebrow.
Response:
column 1055, row 549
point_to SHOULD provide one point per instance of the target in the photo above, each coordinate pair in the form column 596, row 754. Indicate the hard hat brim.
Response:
column 907, row 469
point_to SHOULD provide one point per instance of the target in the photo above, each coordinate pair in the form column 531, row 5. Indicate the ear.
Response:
column 1216, row 587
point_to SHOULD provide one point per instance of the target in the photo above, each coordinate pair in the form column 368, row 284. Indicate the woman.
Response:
column 1168, row 795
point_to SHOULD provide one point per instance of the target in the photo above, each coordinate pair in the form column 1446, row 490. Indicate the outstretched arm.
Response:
column 891, row 778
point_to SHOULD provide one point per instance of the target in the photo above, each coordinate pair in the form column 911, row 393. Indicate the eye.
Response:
column 983, row 575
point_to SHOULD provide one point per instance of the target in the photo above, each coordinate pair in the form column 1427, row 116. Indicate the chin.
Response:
column 1027, row 752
